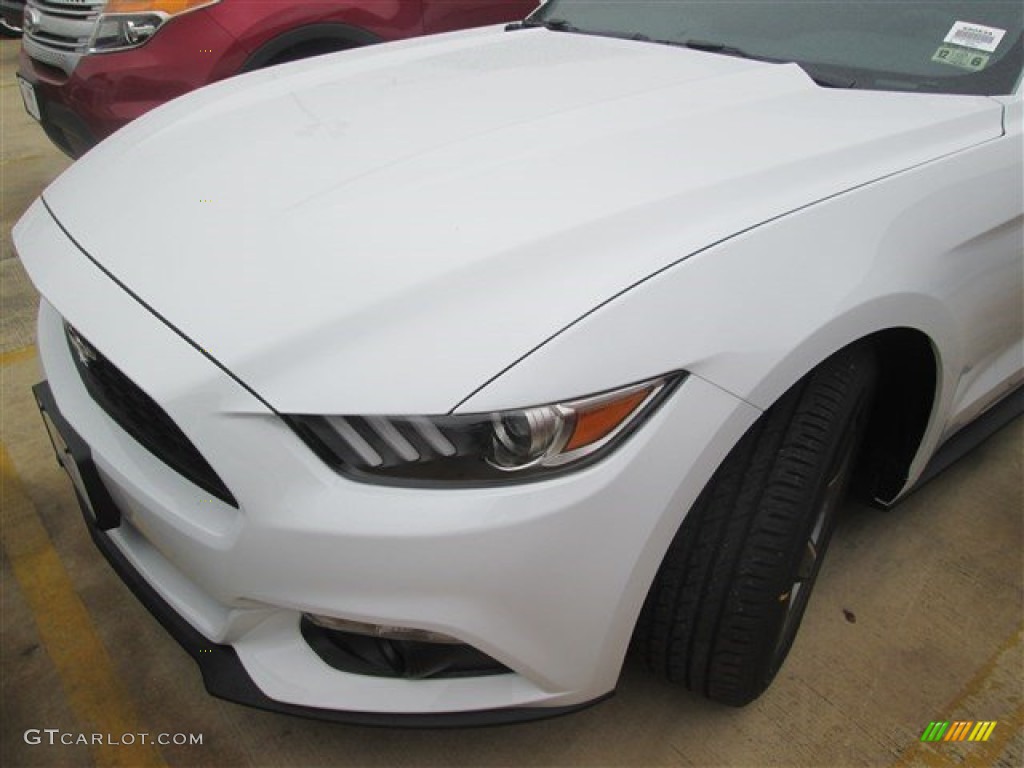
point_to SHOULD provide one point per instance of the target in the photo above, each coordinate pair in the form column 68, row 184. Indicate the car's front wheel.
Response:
column 730, row 594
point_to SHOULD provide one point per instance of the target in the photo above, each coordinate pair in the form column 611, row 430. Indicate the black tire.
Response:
column 309, row 40
column 724, row 609
column 307, row 51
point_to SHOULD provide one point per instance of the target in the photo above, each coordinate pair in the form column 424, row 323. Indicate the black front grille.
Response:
column 139, row 415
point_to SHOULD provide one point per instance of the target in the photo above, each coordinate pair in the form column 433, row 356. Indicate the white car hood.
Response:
column 388, row 229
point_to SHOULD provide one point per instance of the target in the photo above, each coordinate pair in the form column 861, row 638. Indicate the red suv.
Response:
column 90, row 66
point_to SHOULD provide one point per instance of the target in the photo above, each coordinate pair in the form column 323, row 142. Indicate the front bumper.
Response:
column 547, row 578
column 105, row 91
column 223, row 673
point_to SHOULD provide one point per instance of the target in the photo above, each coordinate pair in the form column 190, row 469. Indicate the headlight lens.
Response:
column 130, row 23
column 487, row 448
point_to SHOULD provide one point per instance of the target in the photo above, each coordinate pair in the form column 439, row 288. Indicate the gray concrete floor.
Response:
column 917, row 617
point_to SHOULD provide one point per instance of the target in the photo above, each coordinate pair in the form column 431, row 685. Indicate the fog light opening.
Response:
column 383, row 631
column 388, row 651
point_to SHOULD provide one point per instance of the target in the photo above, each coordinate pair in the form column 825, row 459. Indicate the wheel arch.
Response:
column 903, row 421
column 328, row 33
column 904, row 404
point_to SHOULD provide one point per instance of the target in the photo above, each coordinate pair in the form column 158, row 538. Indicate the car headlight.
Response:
column 130, row 23
column 485, row 448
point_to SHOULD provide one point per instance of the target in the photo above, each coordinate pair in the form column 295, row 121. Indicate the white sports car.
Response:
column 417, row 383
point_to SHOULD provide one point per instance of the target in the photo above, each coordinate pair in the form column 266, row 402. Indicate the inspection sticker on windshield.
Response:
column 961, row 57
column 976, row 36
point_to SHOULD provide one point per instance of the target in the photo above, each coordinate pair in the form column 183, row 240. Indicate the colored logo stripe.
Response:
column 958, row 730
column 982, row 730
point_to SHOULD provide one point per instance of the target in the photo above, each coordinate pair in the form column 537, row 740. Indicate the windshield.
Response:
column 910, row 45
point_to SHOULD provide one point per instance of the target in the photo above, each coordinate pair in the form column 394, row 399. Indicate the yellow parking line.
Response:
column 17, row 355
column 94, row 693
column 1000, row 666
